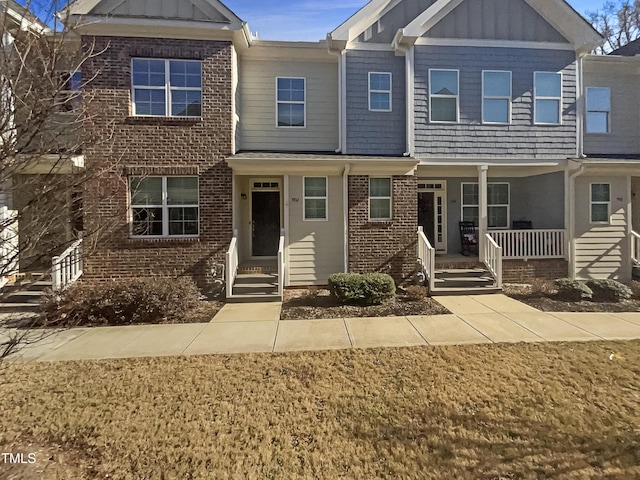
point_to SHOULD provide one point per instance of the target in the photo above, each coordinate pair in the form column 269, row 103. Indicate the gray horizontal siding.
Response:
column 375, row 133
column 470, row 138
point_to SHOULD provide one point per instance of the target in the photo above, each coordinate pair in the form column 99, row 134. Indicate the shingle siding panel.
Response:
column 470, row 137
column 375, row 133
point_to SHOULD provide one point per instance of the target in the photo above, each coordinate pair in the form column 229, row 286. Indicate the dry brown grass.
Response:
column 534, row 411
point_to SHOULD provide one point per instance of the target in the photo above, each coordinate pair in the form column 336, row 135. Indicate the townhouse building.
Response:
column 366, row 151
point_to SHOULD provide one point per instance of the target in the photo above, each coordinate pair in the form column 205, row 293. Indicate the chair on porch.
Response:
column 468, row 238
column 522, row 225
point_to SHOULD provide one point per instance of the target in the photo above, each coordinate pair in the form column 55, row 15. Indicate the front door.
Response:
column 265, row 221
column 426, row 214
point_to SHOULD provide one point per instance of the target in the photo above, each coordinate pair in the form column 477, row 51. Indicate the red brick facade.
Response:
column 521, row 271
column 157, row 146
column 383, row 246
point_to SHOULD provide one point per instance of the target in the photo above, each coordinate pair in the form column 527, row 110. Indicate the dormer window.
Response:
column 167, row 88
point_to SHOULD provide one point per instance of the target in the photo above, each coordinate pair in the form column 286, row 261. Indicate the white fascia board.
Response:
column 432, row 15
column 360, row 21
column 569, row 23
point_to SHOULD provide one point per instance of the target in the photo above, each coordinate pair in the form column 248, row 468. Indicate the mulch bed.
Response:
column 316, row 303
column 543, row 296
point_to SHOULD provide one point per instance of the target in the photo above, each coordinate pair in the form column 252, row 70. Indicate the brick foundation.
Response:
column 387, row 246
column 521, row 271
column 159, row 146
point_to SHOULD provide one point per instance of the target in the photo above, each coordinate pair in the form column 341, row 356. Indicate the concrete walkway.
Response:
column 242, row 328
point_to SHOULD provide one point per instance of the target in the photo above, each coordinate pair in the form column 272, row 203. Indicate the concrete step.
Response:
column 461, row 272
column 465, row 291
column 257, row 269
column 253, row 298
column 255, row 289
column 24, row 296
column 256, row 278
column 461, row 282
column 19, row 307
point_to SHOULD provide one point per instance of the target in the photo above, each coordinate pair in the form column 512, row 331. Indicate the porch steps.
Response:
column 25, row 293
column 635, row 272
column 463, row 281
column 255, row 287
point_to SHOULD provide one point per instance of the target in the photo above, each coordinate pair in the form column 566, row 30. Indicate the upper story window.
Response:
column 598, row 109
column 291, row 99
column 315, row 198
column 167, row 88
column 380, row 198
column 496, row 97
column 70, row 93
column 379, row 91
column 600, row 202
column 164, row 206
column 547, row 91
column 443, row 95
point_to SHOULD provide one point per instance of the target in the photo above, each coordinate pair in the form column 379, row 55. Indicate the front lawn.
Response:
column 527, row 411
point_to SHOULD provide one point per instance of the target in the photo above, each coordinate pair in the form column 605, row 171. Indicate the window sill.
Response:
column 163, row 121
column 380, row 223
column 163, row 240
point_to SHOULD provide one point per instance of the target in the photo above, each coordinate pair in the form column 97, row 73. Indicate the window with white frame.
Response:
column 291, row 102
column 547, row 92
column 598, row 109
column 70, row 93
column 380, row 198
column 497, row 204
column 600, row 202
column 496, row 96
column 315, row 198
column 166, row 88
column 443, row 95
column 164, row 206
column 380, row 91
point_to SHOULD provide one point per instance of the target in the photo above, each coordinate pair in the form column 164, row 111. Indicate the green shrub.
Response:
column 609, row 291
column 362, row 289
column 121, row 302
column 573, row 290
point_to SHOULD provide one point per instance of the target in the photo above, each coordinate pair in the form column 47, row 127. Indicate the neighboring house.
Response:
column 313, row 158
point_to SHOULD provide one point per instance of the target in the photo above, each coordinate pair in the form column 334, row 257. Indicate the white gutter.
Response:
column 572, row 220
column 345, row 213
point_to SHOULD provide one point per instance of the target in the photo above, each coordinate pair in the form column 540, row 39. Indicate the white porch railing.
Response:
column 231, row 264
column 635, row 247
column 67, row 267
column 281, row 264
column 493, row 258
column 526, row 244
column 426, row 257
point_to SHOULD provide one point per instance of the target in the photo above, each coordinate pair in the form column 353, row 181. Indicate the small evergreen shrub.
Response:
column 416, row 293
column 362, row 289
column 609, row 291
column 573, row 290
column 121, row 302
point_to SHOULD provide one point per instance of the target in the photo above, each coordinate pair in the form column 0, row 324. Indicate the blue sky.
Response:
column 313, row 19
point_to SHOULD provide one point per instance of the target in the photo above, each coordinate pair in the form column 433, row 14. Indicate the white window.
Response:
column 291, row 102
column 547, row 91
column 164, row 206
column 70, row 94
column 315, row 198
column 166, row 88
column 496, row 97
column 497, row 204
column 600, row 202
column 379, row 91
column 598, row 109
column 443, row 95
column 380, row 198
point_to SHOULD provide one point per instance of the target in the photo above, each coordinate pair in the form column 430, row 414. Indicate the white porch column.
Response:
column 482, row 208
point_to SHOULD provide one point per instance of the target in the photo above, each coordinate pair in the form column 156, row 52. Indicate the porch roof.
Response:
column 615, row 164
column 276, row 163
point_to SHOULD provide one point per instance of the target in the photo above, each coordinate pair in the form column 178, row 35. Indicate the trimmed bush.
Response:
column 362, row 289
column 573, row 290
column 609, row 291
column 416, row 293
column 121, row 302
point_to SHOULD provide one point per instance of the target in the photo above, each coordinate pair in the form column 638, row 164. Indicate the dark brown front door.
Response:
column 426, row 214
column 265, row 219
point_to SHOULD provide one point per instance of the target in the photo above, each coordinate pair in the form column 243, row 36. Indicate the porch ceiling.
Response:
column 437, row 170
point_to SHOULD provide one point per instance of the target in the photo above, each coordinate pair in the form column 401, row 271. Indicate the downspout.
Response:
column 408, row 52
column 338, row 53
column 345, row 213
column 572, row 220
column 579, row 107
